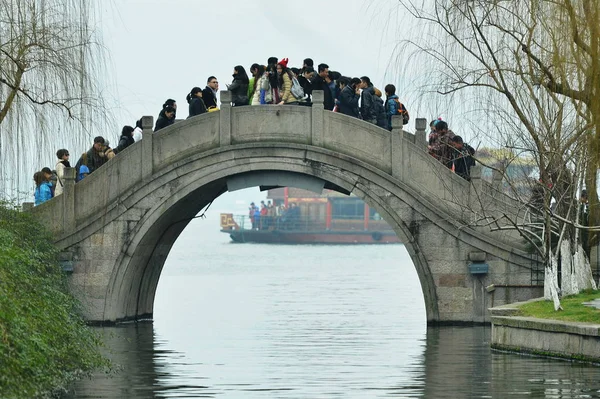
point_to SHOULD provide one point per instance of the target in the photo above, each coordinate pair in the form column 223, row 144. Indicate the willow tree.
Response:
column 529, row 72
column 51, row 62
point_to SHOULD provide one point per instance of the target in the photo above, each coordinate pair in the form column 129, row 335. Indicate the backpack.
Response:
column 82, row 161
column 297, row 90
column 402, row 111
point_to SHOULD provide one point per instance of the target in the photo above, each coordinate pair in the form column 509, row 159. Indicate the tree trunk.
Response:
column 583, row 270
column 551, row 282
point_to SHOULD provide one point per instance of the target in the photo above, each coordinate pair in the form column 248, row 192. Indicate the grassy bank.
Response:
column 43, row 343
column 573, row 309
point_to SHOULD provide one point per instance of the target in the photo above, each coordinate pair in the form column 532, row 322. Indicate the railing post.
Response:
column 69, row 219
column 225, row 119
column 397, row 147
column 147, row 160
column 317, row 114
column 497, row 177
column 476, row 189
column 420, row 134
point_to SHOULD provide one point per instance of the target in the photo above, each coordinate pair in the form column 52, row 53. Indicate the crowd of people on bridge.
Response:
column 276, row 84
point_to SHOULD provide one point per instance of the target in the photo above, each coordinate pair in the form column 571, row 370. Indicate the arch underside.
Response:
column 174, row 196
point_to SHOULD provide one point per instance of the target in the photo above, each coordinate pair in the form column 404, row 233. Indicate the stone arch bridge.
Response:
column 118, row 225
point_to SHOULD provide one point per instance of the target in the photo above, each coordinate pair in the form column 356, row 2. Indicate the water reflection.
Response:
column 451, row 362
column 134, row 352
column 235, row 321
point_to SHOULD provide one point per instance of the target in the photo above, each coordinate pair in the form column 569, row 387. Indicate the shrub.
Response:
column 44, row 343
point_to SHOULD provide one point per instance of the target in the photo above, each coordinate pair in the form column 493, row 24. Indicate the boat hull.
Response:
column 312, row 237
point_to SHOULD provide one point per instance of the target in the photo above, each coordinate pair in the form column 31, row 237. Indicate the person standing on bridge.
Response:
column 94, row 157
column 209, row 94
column 440, row 145
column 319, row 83
column 379, row 109
column 170, row 103
column 166, row 118
column 367, row 101
column 239, row 87
column 196, row 104
column 273, row 79
column 349, row 96
column 126, row 139
column 63, row 162
column 392, row 104
column 285, row 83
column 462, row 157
column 43, row 191
column 304, row 77
column 262, row 88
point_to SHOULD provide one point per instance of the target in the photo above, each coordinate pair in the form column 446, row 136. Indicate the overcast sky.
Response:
column 160, row 49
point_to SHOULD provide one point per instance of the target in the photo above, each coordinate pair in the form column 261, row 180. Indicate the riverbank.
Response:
column 573, row 334
column 45, row 345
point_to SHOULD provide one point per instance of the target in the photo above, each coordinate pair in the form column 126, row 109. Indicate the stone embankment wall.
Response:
column 551, row 338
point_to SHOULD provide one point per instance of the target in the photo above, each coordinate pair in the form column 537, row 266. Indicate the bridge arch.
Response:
column 137, row 270
column 119, row 224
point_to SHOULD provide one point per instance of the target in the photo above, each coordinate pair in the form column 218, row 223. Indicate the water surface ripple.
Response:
column 261, row 321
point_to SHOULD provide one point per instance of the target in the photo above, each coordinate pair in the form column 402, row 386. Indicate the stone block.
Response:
column 101, row 266
column 81, row 266
column 97, row 240
column 452, row 280
column 477, row 256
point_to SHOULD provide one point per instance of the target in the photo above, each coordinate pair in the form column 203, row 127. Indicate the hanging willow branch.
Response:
column 51, row 96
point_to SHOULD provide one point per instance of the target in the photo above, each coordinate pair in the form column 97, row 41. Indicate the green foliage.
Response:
column 44, row 343
column 573, row 308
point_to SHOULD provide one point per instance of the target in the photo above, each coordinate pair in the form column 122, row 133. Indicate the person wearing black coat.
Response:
column 319, row 83
column 349, row 97
column 273, row 78
column 239, row 87
column 209, row 94
column 165, row 118
column 367, row 102
column 196, row 104
column 462, row 157
column 95, row 156
column 305, row 83
column 125, row 140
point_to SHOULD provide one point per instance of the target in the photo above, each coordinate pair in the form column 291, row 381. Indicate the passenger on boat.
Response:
column 264, row 218
column 251, row 215
column 256, row 218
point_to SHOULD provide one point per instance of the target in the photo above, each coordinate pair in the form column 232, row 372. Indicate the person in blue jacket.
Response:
column 257, row 217
column 391, row 104
column 83, row 172
column 43, row 192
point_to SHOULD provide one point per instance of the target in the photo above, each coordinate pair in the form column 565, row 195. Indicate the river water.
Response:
column 265, row 321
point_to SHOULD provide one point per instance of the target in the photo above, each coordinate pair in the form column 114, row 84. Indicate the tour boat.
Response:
column 303, row 217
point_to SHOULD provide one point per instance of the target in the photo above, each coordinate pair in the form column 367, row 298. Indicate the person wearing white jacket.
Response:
column 63, row 162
